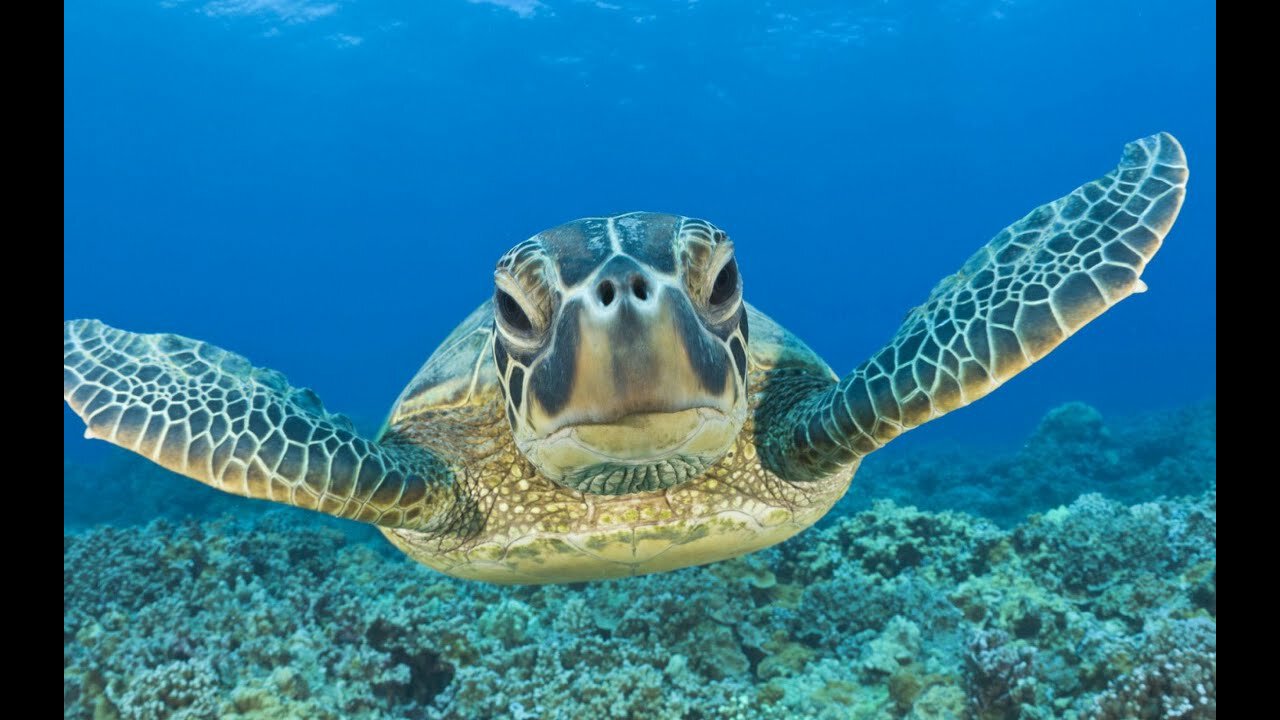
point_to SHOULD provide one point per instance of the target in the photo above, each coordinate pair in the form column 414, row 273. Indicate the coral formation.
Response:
column 1093, row 609
column 280, row 618
column 1167, row 453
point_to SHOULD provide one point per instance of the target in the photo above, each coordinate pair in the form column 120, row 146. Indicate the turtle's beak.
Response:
column 630, row 349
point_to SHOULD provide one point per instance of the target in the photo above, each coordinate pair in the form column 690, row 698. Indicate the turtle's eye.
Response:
column 512, row 314
column 726, row 284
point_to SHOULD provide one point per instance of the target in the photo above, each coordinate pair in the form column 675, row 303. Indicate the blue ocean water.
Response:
column 325, row 186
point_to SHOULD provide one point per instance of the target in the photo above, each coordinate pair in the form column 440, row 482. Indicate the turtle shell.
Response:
column 459, row 373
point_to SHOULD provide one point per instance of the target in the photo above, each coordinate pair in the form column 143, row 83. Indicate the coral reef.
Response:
column 890, row 613
column 1168, row 453
column 1093, row 608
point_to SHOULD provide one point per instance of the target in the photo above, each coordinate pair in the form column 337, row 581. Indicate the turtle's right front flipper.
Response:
column 208, row 414
column 1040, row 280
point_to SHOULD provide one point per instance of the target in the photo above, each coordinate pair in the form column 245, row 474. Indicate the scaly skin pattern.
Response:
column 447, row 484
column 1033, row 286
column 208, row 414
column 537, row 531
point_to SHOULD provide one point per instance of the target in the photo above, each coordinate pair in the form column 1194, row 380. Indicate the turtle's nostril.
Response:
column 605, row 292
column 639, row 287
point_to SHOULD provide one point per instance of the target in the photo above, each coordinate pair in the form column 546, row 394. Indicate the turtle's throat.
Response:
column 637, row 453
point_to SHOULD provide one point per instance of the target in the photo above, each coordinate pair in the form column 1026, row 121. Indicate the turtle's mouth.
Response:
column 637, row 452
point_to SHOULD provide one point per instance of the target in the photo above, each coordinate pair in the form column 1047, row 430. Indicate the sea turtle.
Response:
column 616, row 408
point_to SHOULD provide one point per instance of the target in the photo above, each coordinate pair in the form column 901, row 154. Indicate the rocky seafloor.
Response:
column 1073, row 578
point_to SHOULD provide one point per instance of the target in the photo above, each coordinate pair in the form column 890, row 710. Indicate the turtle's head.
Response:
column 621, row 350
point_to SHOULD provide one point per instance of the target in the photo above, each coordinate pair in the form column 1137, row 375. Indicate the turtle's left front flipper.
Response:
column 208, row 414
column 1040, row 280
